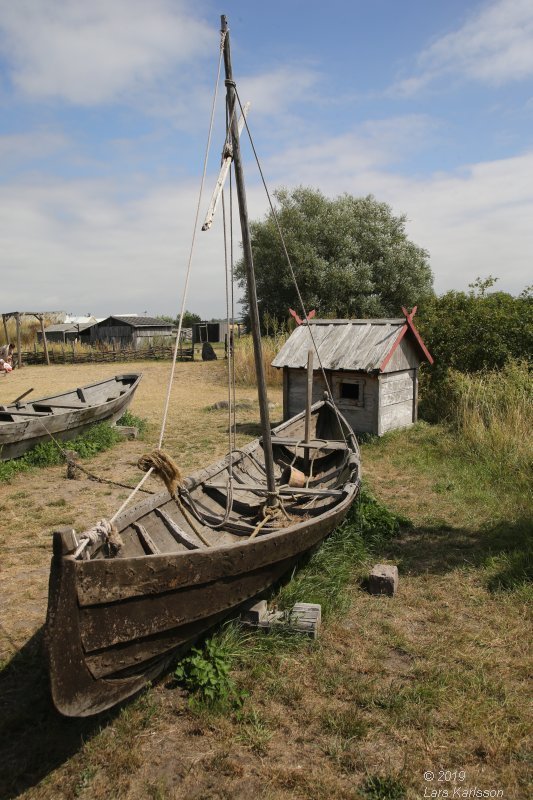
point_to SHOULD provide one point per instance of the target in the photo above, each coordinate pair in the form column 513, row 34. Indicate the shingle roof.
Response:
column 141, row 322
column 354, row 344
column 69, row 327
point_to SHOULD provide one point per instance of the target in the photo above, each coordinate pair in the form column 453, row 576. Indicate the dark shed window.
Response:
column 351, row 391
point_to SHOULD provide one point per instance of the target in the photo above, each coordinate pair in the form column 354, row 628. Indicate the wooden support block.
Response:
column 255, row 612
column 306, row 618
column 303, row 618
column 127, row 431
column 383, row 580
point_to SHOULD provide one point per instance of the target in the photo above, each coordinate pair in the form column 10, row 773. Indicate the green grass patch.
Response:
column 96, row 439
column 333, row 567
column 383, row 787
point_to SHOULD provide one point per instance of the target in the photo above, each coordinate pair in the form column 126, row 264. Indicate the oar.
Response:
column 19, row 398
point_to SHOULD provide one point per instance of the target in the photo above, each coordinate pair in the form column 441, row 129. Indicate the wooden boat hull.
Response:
column 114, row 623
column 26, row 425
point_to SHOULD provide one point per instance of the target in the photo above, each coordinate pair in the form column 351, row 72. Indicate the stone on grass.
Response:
column 383, row 580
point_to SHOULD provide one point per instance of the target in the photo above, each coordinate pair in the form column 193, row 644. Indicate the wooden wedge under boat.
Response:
column 24, row 425
column 115, row 620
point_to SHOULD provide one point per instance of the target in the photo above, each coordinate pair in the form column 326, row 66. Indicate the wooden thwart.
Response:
column 177, row 532
column 145, row 539
column 312, row 444
column 288, row 490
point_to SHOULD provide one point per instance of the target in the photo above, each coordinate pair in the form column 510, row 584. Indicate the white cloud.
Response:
column 24, row 147
column 494, row 46
column 273, row 92
column 473, row 221
column 89, row 53
column 79, row 244
column 374, row 143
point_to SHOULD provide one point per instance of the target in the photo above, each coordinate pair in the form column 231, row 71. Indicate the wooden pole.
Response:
column 5, row 328
column 45, row 343
column 308, row 404
column 249, row 265
column 19, row 341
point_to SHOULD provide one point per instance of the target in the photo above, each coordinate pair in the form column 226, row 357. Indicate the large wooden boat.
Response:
column 24, row 425
column 113, row 622
column 126, row 598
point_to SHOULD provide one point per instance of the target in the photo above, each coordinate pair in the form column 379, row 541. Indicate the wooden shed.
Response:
column 371, row 366
column 68, row 332
column 130, row 331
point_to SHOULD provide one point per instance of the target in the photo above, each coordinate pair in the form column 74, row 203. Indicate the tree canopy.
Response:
column 189, row 318
column 351, row 257
column 476, row 330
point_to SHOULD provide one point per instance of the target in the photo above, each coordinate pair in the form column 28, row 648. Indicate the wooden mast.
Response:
column 250, row 275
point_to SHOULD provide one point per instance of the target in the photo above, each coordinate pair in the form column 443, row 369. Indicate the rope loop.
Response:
column 164, row 467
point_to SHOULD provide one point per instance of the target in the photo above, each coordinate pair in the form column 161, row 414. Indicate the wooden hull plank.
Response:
column 215, row 601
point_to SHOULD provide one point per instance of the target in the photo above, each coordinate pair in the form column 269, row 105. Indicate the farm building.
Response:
column 130, row 331
column 213, row 331
column 68, row 332
column 371, row 366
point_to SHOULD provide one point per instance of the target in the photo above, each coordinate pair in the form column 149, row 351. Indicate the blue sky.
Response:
column 427, row 105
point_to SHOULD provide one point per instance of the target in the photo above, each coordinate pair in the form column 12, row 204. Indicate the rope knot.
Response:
column 165, row 468
column 104, row 533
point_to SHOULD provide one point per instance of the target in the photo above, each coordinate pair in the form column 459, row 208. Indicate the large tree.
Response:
column 351, row 257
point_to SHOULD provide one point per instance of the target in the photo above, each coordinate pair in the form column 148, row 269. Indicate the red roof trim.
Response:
column 408, row 326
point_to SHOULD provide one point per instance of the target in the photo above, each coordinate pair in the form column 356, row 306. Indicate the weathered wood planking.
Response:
column 24, row 425
column 132, row 610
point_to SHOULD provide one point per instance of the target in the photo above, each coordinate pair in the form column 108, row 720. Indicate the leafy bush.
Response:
column 472, row 332
column 205, row 673
column 130, row 420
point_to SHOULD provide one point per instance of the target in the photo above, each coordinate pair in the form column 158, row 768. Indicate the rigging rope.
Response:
column 186, row 287
column 289, row 263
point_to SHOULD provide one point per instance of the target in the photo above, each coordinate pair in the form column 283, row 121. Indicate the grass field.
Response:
column 432, row 680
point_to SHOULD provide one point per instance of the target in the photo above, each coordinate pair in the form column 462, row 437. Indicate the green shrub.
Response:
column 205, row 673
column 130, row 420
column 96, row 439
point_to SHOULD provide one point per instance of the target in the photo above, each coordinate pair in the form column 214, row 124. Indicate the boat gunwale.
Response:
column 42, row 400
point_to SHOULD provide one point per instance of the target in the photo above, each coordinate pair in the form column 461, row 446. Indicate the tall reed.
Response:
column 245, row 374
column 492, row 412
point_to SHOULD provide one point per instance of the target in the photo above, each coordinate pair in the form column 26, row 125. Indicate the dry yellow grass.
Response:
column 245, row 363
column 33, row 503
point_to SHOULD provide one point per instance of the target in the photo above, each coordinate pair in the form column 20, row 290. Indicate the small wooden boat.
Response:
column 124, row 598
column 63, row 416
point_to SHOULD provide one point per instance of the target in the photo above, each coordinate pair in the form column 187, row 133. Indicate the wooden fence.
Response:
column 70, row 355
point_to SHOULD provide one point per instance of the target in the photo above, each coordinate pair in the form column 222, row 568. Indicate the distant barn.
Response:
column 130, row 331
column 68, row 332
column 371, row 366
column 213, row 331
